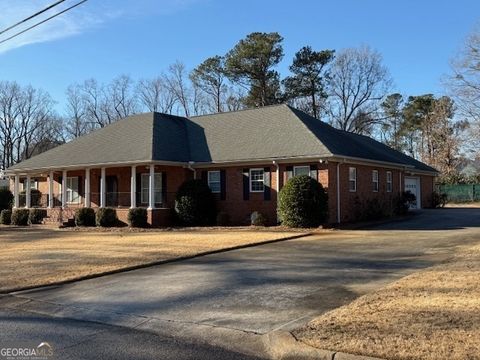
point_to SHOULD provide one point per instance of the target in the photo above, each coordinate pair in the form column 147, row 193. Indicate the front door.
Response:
column 112, row 190
column 412, row 184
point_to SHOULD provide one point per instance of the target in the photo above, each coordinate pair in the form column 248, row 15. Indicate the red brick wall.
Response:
column 364, row 188
column 427, row 184
column 239, row 209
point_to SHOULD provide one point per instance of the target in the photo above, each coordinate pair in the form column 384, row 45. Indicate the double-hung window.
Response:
column 352, row 179
column 214, row 181
column 301, row 170
column 257, row 180
column 72, row 190
column 145, row 185
column 389, row 181
column 33, row 184
column 375, row 180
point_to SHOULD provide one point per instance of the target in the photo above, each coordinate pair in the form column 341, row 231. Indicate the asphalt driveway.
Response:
column 260, row 289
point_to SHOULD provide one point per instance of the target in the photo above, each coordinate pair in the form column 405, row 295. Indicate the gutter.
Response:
column 21, row 171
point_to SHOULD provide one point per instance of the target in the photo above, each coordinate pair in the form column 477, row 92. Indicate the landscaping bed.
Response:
column 34, row 256
column 431, row 315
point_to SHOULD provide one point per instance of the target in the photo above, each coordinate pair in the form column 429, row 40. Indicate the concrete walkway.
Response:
column 260, row 289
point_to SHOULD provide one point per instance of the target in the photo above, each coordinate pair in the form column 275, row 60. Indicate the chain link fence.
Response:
column 460, row 193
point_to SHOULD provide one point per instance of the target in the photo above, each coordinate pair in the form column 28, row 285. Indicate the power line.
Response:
column 43, row 21
column 31, row 16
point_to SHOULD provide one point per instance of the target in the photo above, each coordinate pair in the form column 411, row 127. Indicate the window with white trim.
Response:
column 72, row 190
column 352, row 179
column 145, row 180
column 375, row 180
column 214, row 181
column 33, row 184
column 257, row 180
column 389, row 181
column 301, row 170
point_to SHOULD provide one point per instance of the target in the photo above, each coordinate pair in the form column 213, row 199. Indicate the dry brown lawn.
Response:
column 34, row 256
column 433, row 314
column 463, row 205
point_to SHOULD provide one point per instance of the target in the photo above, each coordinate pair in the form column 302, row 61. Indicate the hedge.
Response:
column 195, row 204
column 106, row 217
column 303, row 202
column 6, row 217
column 85, row 217
column 20, row 217
column 138, row 217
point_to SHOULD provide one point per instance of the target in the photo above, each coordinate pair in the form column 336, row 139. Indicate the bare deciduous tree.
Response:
column 155, row 95
column 76, row 123
column 464, row 88
column 176, row 82
column 26, row 122
column 121, row 98
column 465, row 80
column 358, row 83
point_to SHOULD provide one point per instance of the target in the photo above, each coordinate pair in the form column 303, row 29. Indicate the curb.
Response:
column 282, row 345
column 150, row 264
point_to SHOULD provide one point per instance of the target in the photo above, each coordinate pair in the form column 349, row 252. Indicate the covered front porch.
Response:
column 62, row 191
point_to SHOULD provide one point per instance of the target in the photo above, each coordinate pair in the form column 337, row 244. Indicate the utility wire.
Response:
column 31, row 16
column 43, row 21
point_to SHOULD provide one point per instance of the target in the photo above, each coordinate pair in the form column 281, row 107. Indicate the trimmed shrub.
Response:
column 106, row 217
column 35, row 216
column 20, row 217
column 375, row 209
column 402, row 202
column 35, row 197
column 85, row 217
column 258, row 219
column 6, row 217
column 223, row 219
column 138, row 217
column 303, row 202
column 195, row 204
column 439, row 200
column 6, row 199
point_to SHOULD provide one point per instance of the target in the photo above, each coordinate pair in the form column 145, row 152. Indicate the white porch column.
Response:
column 133, row 187
column 151, row 188
column 16, row 192
column 86, row 198
column 64, row 189
column 50, row 190
column 28, row 193
column 103, row 196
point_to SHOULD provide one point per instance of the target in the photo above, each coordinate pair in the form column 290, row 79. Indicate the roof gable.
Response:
column 253, row 134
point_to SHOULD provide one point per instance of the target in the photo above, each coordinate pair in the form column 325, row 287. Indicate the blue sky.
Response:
column 105, row 38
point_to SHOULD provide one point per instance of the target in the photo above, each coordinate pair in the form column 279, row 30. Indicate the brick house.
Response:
column 245, row 157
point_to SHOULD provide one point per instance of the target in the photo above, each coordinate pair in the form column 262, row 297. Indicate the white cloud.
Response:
column 76, row 21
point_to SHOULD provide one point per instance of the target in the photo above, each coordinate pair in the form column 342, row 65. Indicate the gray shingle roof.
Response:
column 137, row 138
column 272, row 132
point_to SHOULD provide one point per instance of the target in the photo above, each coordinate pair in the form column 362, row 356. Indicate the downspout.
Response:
column 189, row 167
column 338, row 193
column 277, row 183
column 339, row 215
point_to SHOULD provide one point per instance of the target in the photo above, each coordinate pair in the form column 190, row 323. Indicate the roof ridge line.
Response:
column 240, row 110
column 292, row 110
